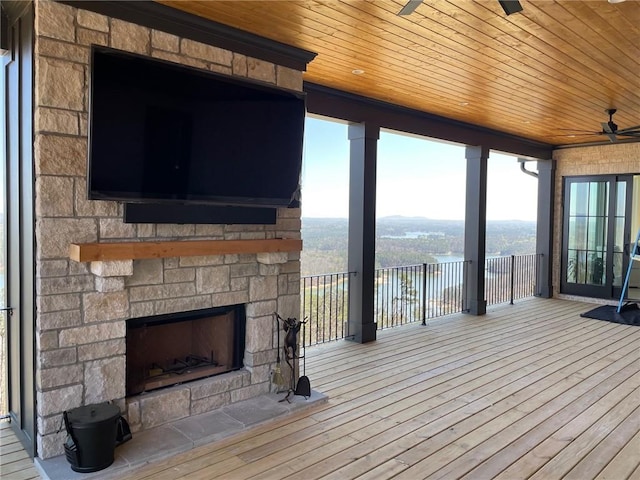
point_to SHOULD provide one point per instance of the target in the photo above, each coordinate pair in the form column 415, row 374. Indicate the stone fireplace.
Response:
column 84, row 308
column 164, row 350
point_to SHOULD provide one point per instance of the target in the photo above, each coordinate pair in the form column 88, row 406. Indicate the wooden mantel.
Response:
column 95, row 252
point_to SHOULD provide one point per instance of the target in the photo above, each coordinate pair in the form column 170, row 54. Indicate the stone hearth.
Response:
column 182, row 435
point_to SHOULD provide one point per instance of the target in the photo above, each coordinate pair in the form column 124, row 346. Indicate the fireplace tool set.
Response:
column 292, row 327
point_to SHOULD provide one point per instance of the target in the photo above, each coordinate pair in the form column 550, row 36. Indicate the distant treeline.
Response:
column 407, row 241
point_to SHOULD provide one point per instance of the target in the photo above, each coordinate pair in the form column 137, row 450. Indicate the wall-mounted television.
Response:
column 160, row 132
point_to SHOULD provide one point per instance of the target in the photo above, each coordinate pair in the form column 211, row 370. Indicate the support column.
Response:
column 475, row 229
column 544, row 229
column 362, row 230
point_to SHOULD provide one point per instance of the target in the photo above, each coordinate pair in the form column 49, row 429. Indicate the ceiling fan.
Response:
column 610, row 129
column 509, row 6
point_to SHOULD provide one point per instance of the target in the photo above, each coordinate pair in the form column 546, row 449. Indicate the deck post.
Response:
column 544, row 228
column 475, row 228
column 424, row 293
column 363, row 140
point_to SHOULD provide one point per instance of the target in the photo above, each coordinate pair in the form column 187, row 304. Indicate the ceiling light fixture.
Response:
column 357, row 71
column 616, row 1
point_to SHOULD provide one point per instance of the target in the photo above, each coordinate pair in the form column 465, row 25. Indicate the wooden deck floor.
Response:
column 15, row 463
column 527, row 391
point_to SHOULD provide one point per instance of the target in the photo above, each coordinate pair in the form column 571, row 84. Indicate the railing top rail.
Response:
column 327, row 274
column 417, row 265
column 421, row 264
column 402, row 266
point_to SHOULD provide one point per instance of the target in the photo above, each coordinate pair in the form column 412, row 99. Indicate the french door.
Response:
column 18, row 223
column 596, row 233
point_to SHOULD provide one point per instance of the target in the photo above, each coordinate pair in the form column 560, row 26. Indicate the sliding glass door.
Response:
column 596, row 232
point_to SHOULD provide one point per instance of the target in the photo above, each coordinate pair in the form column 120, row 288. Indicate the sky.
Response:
column 415, row 177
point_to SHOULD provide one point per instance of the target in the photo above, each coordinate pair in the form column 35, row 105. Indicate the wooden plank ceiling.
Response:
column 547, row 73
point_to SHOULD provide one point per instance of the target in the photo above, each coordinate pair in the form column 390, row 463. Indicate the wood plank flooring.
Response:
column 15, row 463
column 528, row 391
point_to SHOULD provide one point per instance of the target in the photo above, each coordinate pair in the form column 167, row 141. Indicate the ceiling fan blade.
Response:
column 609, row 130
column 573, row 131
column 606, row 128
column 628, row 130
column 510, row 6
column 409, row 8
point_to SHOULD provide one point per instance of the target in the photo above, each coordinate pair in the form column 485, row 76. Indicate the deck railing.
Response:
column 413, row 293
column 325, row 306
column 510, row 278
column 418, row 292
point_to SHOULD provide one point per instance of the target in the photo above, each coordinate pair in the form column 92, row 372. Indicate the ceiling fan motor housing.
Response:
column 611, row 124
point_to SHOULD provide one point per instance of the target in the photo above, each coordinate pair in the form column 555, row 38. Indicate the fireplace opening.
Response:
column 164, row 350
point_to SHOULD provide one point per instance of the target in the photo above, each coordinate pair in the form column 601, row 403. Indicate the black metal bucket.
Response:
column 91, row 436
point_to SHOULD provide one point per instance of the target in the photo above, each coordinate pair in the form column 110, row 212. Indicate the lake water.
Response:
column 414, row 235
column 448, row 258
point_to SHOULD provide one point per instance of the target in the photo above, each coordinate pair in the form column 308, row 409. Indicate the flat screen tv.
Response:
column 160, row 132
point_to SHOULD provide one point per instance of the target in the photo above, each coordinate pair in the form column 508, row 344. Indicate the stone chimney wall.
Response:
column 82, row 308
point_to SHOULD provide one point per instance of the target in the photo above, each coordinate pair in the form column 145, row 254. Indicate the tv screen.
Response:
column 160, row 132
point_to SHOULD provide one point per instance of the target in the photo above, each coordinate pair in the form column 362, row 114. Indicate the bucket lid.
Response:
column 92, row 414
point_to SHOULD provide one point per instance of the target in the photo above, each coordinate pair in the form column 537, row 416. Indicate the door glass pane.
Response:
column 596, row 268
column 618, row 275
column 581, row 266
column 621, row 198
column 598, row 198
column 577, row 266
column 597, row 233
column 618, row 234
column 4, row 408
column 571, row 266
column 578, row 233
column 579, row 193
column 588, row 224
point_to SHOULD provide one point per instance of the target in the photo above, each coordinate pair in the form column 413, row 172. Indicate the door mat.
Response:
column 629, row 314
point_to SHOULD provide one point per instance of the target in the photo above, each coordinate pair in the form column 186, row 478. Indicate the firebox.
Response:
column 164, row 350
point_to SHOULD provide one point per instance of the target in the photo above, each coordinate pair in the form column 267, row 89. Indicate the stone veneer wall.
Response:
column 82, row 308
column 599, row 160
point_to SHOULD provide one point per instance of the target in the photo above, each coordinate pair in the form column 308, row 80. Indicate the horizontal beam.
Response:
column 95, row 252
column 162, row 17
column 353, row 108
